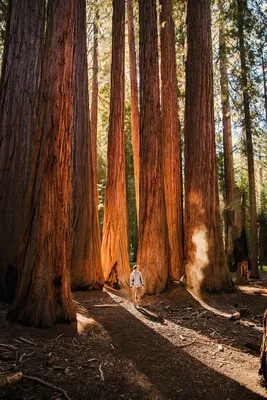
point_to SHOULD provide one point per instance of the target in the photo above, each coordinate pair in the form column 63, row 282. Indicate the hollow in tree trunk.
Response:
column 43, row 295
column 114, row 249
column 18, row 100
column 86, row 269
column 153, row 248
column 206, row 267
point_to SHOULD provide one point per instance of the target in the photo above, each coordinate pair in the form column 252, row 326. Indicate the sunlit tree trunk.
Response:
column 43, row 294
column 134, row 103
column 171, row 141
column 94, row 106
column 114, row 250
column 227, row 145
column 241, row 5
column 206, row 267
column 18, row 98
column 153, row 249
column 264, row 84
column 86, row 269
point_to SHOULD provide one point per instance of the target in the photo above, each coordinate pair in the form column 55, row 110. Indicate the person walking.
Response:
column 136, row 284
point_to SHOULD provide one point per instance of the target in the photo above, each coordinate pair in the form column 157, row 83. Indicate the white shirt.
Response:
column 136, row 279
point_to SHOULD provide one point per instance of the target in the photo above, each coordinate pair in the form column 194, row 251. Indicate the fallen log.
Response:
column 263, row 358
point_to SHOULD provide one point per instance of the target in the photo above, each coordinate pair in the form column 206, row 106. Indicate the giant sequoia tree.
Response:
column 171, row 141
column 241, row 7
column 86, row 270
column 18, row 98
column 114, row 250
column 134, row 103
column 43, row 294
column 153, row 249
column 206, row 266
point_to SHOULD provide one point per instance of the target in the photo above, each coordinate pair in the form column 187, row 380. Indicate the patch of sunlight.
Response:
column 208, row 307
column 84, row 323
column 252, row 290
column 226, row 362
column 195, row 269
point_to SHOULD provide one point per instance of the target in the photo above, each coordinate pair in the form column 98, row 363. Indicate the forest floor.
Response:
column 175, row 347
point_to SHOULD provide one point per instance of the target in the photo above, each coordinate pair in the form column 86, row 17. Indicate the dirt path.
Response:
column 190, row 350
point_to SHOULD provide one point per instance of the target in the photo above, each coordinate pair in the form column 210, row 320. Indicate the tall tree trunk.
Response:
column 241, row 4
column 206, row 267
column 264, row 84
column 227, row 145
column 86, row 269
column 171, row 141
column 43, row 294
column 18, row 98
column 134, row 103
column 114, row 250
column 153, row 249
column 94, row 107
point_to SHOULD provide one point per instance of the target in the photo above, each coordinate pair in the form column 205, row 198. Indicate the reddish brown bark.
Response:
column 18, row 93
column 134, row 103
column 86, row 269
column 114, row 250
column 228, row 147
column 206, row 267
column 241, row 4
column 171, row 141
column 94, row 108
column 153, row 249
column 43, row 294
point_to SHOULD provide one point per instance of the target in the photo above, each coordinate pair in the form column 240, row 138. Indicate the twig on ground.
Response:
column 27, row 341
column 34, row 378
column 187, row 344
column 59, row 336
column 8, row 346
column 101, row 372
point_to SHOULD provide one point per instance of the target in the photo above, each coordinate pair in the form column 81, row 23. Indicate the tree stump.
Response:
column 263, row 362
column 242, row 273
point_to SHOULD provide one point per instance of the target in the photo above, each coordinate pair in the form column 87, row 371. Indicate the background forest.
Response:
column 133, row 132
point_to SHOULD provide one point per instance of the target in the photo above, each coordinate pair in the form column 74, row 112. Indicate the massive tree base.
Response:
column 31, row 316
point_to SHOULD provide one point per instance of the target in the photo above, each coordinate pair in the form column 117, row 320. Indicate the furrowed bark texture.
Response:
column 114, row 250
column 230, row 229
column 134, row 103
column 94, row 109
column 254, row 273
column 153, row 249
column 171, row 141
column 43, row 294
column 206, row 267
column 86, row 269
column 18, row 100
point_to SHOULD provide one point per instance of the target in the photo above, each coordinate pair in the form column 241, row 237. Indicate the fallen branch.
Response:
column 8, row 379
column 101, row 372
column 105, row 305
column 33, row 378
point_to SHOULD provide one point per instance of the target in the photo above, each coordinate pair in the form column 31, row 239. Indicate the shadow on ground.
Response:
column 174, row 373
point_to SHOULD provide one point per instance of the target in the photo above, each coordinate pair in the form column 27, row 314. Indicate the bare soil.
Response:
column 175, row 347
